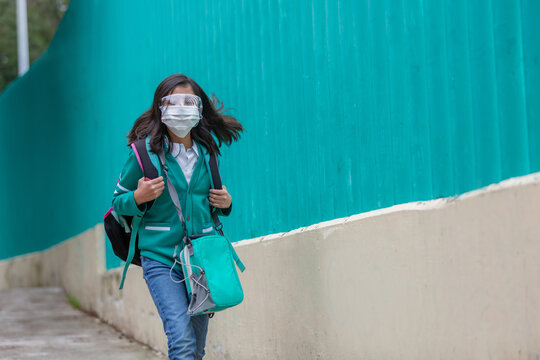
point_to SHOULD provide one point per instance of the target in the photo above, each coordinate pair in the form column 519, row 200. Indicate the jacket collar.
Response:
column 201, row 147
column 176, row 147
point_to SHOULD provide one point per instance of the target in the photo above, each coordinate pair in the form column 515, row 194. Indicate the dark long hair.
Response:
column 225, row 127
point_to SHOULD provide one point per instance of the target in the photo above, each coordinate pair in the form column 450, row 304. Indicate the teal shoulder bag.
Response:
column 207, row 260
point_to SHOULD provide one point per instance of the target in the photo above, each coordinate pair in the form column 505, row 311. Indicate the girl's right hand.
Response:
column 148, row 189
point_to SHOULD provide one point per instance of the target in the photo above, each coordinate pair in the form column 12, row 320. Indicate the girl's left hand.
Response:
column 220, row 198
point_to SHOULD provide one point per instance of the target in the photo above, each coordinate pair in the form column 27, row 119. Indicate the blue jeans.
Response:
column 186, row 335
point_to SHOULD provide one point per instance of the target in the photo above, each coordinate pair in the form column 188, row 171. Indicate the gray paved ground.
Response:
column 39, row 323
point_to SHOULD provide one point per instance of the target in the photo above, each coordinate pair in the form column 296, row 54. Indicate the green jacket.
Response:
column 160, row 229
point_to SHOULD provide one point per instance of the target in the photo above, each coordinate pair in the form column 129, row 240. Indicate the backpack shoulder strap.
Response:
column 216, row 179
column 148, row 169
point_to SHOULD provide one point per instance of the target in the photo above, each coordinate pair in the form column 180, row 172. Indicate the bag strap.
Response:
column 148, row 169
column 131, row 253
column 236, row 258
column 216, row 180
column 173, row 193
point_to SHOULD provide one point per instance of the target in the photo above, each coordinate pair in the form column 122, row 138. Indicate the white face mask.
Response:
column 180, row 119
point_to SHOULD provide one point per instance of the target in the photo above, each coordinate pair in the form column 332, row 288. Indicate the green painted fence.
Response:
column 348, row 106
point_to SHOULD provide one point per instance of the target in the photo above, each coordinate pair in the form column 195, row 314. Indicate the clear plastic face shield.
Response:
column 183, row 100
column 181, row 112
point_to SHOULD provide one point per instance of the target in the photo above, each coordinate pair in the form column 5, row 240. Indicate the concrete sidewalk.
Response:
column 39, row 323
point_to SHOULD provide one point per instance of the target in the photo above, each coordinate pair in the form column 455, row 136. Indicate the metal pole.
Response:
column 22, row 37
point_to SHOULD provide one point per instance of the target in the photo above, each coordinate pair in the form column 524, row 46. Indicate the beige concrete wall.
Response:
column 455, row 278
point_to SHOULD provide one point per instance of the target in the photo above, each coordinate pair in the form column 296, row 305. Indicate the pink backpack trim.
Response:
column 137, row 154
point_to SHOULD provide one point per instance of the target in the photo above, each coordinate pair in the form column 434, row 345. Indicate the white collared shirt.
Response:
column 185, row 158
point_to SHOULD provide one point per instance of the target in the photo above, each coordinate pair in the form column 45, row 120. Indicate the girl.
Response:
column 182, row 123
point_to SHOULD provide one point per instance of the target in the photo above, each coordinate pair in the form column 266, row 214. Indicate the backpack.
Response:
column 118, row 227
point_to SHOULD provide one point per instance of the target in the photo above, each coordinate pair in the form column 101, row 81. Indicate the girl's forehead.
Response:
column 185, row 89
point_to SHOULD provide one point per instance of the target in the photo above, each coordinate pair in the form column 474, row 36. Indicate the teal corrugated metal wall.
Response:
column 348, row 105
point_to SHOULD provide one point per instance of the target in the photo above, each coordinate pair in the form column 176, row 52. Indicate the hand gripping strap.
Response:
column 148, row 169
